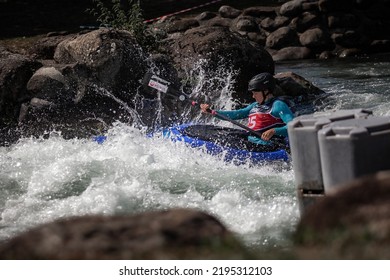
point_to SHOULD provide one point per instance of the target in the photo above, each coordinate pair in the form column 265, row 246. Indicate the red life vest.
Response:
column 260, row 118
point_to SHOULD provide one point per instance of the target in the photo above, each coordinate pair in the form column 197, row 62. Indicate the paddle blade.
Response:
column 164, row 86
column 158, row 84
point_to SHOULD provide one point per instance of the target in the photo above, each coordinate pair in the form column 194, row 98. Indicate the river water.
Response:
column 45, row 179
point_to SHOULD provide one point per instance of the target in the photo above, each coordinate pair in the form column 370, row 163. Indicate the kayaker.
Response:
column 268, row 114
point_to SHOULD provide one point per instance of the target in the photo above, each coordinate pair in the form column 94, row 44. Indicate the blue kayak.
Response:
column 230, row 143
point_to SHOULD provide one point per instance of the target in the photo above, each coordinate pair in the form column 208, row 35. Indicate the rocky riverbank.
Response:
column 302, row 29
column 44, row 82
column 24, row 18
column 78, row 84
column 88, row 72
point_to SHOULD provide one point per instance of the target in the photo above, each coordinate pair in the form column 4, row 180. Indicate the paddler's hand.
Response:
column 267, row 135
column 205, row 108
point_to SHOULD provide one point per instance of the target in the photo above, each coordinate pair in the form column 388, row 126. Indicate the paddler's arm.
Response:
column 282, row 111
column 232, row 114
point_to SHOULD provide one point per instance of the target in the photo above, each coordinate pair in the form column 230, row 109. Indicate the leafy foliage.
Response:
column 124, row 15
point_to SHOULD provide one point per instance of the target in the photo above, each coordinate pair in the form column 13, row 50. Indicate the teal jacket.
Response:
column 279, row 110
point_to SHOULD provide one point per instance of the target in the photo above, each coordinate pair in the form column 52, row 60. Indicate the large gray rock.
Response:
column 292, row 53
column 260, row 11
column 182, row 25
column 91, row 84
column 291, row 8
column 282, row 38
column 218, row 21
column 269, row 24
column 315, row 38
column 228, row 12
column 113, row 57
column 172, row 234
column 221, row 48
column 353, row 222
column 245, row 24
column 305, row 21
column 295, row 85
column 15, row 72
column 50, row 84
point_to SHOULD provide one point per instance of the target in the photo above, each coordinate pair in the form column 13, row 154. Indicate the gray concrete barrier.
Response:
column 305, row 151
column 353, row 148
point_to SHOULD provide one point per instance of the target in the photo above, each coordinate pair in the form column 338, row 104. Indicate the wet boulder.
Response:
column 271, row 24
column 113, row 58
column 315, row 38
column 15, row 72
column 295, row 85
column 260, row 11
column 182, row 25
column 218, row 21
column 245, row 24
column 352, row 222
column 50, row 84
column 205, row 16
column 219, row 47
column 305, row 21
column 228, row 12
column 291, row 8
column 90, row 84
column 292, row 53
column 282, row 37
column 171, row 234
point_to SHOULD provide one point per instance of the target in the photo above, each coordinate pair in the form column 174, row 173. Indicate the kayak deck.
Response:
column 231, row 143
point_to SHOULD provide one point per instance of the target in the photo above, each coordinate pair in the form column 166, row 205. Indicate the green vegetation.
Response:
column 124, row 15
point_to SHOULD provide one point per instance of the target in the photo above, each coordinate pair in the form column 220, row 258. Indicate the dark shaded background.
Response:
column 33, row 17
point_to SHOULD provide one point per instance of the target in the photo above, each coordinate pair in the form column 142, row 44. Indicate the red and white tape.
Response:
column 182, row 11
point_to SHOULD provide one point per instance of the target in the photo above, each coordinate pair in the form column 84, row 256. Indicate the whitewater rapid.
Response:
column 45, row 179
